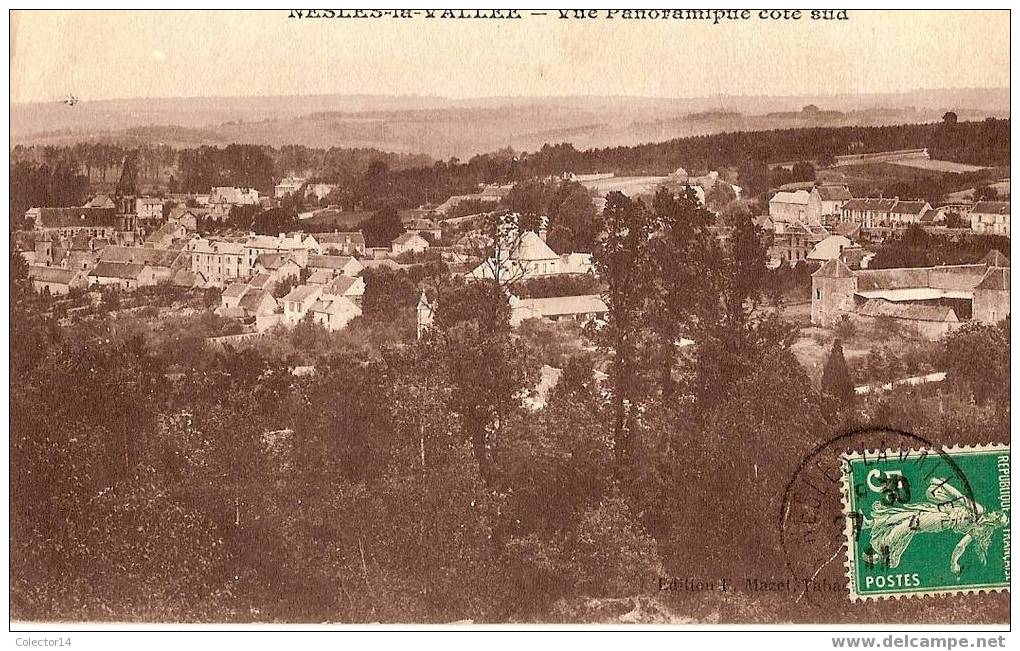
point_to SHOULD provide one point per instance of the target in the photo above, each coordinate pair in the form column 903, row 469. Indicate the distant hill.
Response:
column 443, row 127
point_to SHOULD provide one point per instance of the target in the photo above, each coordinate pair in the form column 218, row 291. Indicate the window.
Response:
column 818, row 294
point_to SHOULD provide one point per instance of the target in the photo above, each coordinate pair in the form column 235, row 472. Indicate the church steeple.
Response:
column 127, row 185
column 127, row 188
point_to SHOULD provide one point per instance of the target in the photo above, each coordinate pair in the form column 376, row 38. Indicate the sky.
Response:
column 124, row 54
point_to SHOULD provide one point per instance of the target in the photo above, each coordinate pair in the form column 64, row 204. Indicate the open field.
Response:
column 939, row 165
column 814, row 343
column 812, row 349
column 799, row 312
column 1002, row 187
column 629, row 185
column 875, row 172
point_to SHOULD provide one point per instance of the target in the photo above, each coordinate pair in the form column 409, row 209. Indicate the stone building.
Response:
column 789, row 206
column 825, row 203
column 990, row 217
column 991, row 296
column 978, row 292
column 931, row 321
column 832, row 292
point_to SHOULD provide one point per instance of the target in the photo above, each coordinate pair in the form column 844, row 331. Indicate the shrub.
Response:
column 845, row 328
column 612, row 555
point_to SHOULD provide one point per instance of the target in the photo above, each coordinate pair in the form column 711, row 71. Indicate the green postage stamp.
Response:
column 926, row 522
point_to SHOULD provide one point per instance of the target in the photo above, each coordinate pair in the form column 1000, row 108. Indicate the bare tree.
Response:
column 499, row 249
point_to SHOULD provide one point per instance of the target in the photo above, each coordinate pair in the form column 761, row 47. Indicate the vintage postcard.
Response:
column 477, row 317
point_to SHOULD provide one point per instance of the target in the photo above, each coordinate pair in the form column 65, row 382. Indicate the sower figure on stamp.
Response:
column 947, row 509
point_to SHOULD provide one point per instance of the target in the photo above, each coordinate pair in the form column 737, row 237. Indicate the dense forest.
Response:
column 158, row 476
column 370, row 179
column 979, row 143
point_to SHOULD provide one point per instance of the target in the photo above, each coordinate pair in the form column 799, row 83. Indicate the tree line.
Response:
column 916, row 247
column 369, row 179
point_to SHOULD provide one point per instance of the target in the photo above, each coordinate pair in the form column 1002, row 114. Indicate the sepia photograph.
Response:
column 688, row 320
